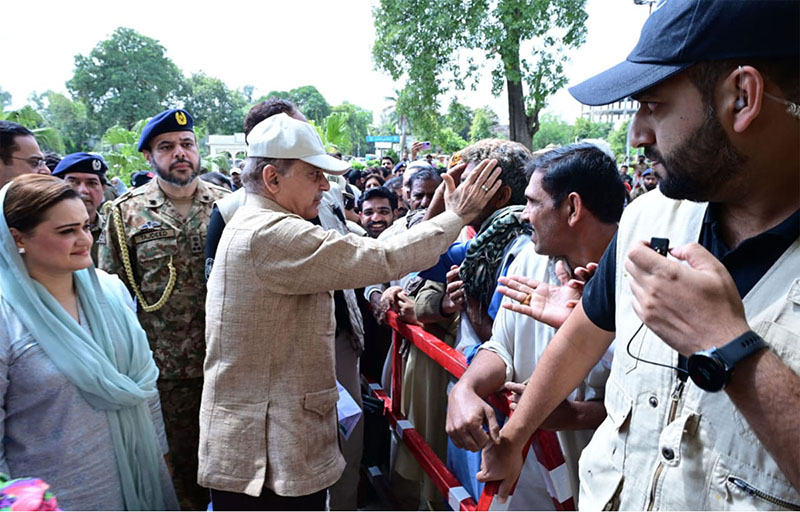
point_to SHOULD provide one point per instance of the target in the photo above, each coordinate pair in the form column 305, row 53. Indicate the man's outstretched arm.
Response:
column 566, row 362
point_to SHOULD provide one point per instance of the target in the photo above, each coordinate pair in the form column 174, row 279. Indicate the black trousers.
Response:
column 224, row 500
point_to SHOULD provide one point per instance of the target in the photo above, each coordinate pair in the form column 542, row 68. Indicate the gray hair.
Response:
column 253, row 169
column 511, row 158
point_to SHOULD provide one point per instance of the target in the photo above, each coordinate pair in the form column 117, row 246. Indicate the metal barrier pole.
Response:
column 545, row 443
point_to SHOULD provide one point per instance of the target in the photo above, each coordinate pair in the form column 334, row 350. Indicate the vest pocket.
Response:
column 321, row 434
column 744, row 487
column 601, row 462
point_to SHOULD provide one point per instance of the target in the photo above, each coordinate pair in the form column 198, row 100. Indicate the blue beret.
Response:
column 81, row 162
column 173, row 120
column 647, row 172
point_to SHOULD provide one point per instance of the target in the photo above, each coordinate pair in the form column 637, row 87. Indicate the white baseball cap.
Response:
column 281, row 136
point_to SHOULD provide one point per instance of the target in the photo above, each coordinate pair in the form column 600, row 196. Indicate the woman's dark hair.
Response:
column 375, row 175
column 30, row 196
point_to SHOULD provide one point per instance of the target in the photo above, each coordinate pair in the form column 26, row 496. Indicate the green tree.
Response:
column 449, row 140
column 125, row 78
column 482, row 123
column 118, row 147
column 47, row 137
column 459, row 118
column 423, row 39
column 618, row 139
column 307, row 99
column 552, row 130
column 397, row 115
column 586, row 129
column 69, row 118
column 357, row 125
column 333, row 132
column 214, row 105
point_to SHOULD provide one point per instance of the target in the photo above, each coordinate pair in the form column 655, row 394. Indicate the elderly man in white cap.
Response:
column 268, row 427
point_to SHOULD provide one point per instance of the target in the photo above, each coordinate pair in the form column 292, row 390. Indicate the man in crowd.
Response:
column 377, row 209
column 268, row 421
column 19, row 152
column 700, row 415
column 421, row 186
column 396, row 185
column 86, row 173
column 387, row 165
column 154, row 240
column 649, row 182
column 236, row 178
column 412, row 168
column 574, row 200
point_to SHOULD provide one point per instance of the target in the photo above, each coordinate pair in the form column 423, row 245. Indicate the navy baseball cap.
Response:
column 141, row 178
column 81, row 162
column 172, row 120
column 681, row 33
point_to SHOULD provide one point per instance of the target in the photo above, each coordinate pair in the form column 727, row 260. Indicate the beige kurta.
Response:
column 268, row 416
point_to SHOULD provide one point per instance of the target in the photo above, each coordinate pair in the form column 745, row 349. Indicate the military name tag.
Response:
column 153, row 235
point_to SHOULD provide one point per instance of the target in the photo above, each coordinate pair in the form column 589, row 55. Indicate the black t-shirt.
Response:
column 746, row 263
column 213, row 233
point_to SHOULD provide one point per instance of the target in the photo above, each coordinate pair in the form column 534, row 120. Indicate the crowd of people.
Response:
column 189, row 339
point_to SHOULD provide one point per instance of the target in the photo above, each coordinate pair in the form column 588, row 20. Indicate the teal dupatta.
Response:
column 112, row 367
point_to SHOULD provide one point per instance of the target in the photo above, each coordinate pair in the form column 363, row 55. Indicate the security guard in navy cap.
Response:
column 86, row 173
column 155, row 241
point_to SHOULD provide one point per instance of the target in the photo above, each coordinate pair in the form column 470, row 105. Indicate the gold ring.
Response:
column 527, row 301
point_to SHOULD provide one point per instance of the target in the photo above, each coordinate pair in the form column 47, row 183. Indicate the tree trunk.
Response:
column 517, row 119
column 402, row 135
column 518, row 122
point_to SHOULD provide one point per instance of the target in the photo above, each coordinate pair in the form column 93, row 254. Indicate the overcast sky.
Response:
column 268, row 44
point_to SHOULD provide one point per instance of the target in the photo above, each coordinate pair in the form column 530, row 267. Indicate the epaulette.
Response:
column 132, row 192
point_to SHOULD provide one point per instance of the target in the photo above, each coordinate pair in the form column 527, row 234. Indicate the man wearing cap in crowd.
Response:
column 268, row 434
column 700, row 415
column 649, row 182
column 86, row 173
column 155, row 241
column 236, row 178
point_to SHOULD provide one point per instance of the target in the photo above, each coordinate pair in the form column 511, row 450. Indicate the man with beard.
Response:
column 700, row 416
column 86, row 173
column 154, row 240
column 649, row 182
column 377, row 210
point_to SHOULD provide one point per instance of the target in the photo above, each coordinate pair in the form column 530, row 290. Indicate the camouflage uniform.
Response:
column 97, row 231
column 154, row 231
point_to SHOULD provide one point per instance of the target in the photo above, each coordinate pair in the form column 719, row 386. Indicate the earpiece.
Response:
column 740, row 104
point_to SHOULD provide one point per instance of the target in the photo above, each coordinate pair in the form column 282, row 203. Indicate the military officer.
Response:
column 86, row 173
column 154, row 240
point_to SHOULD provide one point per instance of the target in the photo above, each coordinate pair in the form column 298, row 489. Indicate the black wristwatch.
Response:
column 711, row 369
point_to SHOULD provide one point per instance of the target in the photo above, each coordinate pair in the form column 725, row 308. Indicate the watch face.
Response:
column 707, row 372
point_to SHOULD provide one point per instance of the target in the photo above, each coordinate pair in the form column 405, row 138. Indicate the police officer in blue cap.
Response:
column 155, row 241
column 86, row 173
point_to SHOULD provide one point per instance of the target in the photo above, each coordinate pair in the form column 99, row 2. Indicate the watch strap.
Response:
column 740, row 348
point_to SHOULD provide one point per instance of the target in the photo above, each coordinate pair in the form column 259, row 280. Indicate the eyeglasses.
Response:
column 34, row 162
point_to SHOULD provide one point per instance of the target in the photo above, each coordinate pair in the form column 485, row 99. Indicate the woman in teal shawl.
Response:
column 78, row 392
